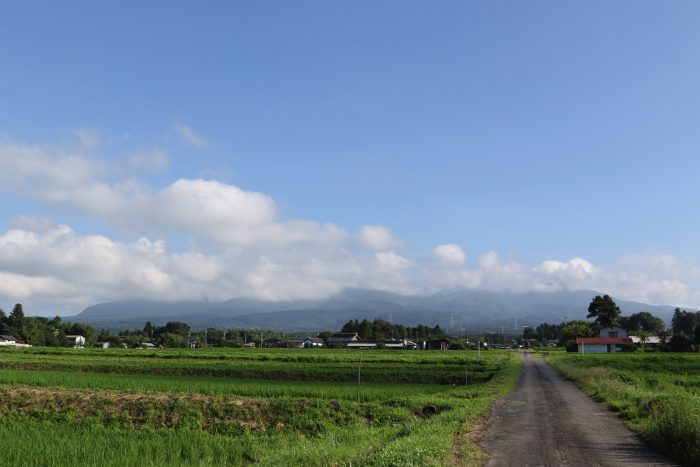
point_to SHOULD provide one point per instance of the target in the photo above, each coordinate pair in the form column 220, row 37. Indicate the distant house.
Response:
column 403, row 344
column 610, row 340
column 8, row 340
column 314, row 342
column 295, row 343
column 75, row 341
column 436, row 344
column 147, row 345
column 342, row 339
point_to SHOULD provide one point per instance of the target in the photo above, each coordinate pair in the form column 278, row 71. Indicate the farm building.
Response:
column 75, row 341
column 314, row 342
column 342, row 339
column 610, row 340
column 7, row 340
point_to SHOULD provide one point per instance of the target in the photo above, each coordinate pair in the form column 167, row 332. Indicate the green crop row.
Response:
column 383, row 367
column 265, row 354
column 130, row 416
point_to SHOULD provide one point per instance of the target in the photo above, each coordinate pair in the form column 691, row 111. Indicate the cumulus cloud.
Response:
column 190, row 136
column 450, row 254
column 377, row 237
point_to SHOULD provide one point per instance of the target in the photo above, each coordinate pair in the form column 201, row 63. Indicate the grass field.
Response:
column 245, row 406
column 658, row 393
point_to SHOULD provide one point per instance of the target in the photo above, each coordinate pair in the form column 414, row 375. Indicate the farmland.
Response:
column 245, row 406
column 658, row 393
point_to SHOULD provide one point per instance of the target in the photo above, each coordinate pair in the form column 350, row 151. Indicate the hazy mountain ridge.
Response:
column 473, row 310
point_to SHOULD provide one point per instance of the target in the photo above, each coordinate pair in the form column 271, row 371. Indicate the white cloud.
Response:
column 391, row 261
column 190, row 136
column 243, row 248
column 450, row 254
column 377, row 237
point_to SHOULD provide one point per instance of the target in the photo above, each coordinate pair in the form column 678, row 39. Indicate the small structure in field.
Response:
column 147, row 345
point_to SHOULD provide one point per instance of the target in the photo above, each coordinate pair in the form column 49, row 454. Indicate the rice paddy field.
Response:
column 246, row 406
column 658, row 393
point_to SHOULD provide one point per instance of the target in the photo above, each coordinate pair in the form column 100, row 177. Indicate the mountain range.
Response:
column 460, row 310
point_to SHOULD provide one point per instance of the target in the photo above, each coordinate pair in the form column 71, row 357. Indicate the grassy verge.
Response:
column 659, row 394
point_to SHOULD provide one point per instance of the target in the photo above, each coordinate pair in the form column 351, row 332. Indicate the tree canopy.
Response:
column 642, row 321
column 380, row 330
column 604, row 310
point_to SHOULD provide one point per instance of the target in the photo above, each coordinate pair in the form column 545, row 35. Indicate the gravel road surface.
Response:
column 547, row 420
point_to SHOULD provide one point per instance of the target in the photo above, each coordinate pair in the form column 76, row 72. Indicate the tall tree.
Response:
column 604, row 310
column 684, row 322
column 16, row 320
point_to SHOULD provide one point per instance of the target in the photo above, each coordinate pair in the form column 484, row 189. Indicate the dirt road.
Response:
column 547, row 420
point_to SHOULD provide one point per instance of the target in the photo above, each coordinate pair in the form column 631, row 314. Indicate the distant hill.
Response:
column 469, row 309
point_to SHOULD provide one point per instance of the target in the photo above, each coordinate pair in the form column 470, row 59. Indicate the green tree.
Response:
column 573, row 329
column 177, row 327
column 3, row 322
column 148, row 329
column 604, row 310
column 16, row 320
column 169, row 339
column 642, row 321
column 684, row 321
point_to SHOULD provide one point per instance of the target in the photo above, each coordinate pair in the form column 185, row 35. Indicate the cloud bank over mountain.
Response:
column 237, row 244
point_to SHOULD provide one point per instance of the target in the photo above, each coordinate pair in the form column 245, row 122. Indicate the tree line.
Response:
column 379, row 330
column 41, row 331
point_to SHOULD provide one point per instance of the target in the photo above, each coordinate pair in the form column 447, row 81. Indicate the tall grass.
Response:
column 659, row 394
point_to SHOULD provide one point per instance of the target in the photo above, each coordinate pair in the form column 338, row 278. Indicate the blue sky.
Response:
column 531, row 132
